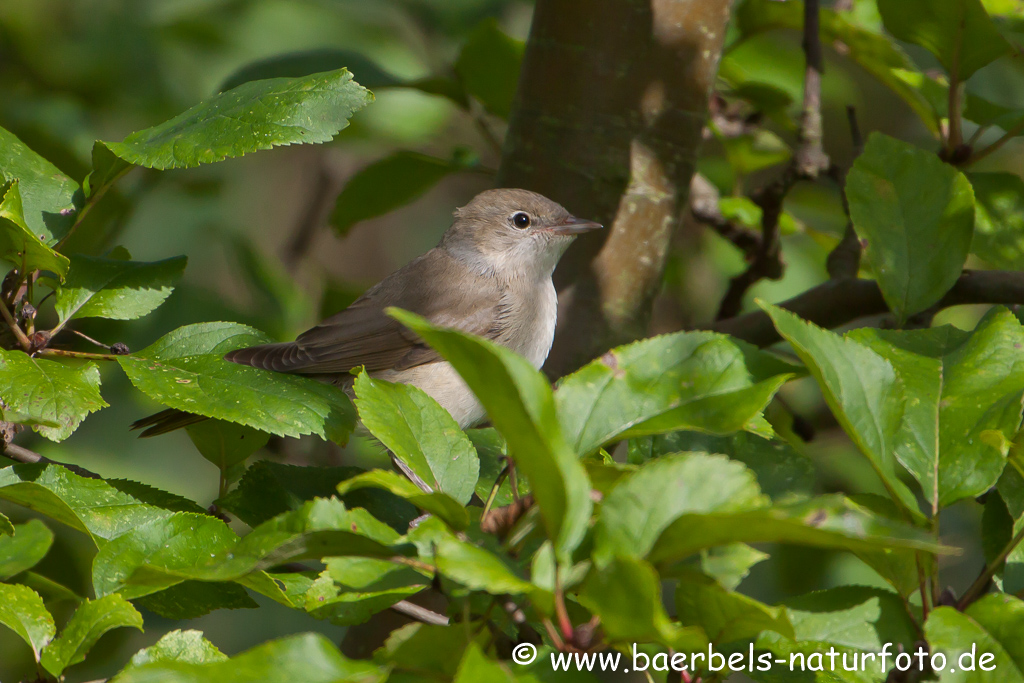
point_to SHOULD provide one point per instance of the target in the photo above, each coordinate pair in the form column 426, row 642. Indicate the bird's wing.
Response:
column 363, row 334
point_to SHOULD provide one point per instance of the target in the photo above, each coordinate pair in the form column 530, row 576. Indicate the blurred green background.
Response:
column 73, row 71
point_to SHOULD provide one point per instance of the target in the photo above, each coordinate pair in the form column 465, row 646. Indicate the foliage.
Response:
column 630, row 493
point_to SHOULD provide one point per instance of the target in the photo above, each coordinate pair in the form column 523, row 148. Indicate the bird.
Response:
column 490, row 275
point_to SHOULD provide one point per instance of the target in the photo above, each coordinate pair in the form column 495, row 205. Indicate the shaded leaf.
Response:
column 22, row 611
column 29, row 544
column 958, row 32
column 475, row 667
column 488, row 67
column 19, row 245
column 102, row 508
column 436, row 503
column 999, row 219
column 916, row 215
column 860, row 387
column 53, row 397
column 115, row 288
column 519, row 402
column 421, row 434
column 324, row 600
column 626, row 594
column 193, row 599
column 385, row 185
column 992, row 625
column 308, row 657
column 725, row 616
column 851, row 616
column 253, row 116
column 308, row 62
column 90, row 621
column 226, row 444
column 185, row 369
column 46, row 194
column 6, row 527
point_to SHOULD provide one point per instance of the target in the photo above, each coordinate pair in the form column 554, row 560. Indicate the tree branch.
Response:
column 23, row 455
column 839, row 302
column 705, row 210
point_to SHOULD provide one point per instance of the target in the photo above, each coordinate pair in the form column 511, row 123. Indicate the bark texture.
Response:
column 608, row 117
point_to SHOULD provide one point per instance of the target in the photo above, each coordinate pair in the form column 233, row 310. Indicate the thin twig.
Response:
column 705, row 210
column 23, row 455
column 810, row 156
column 1009, row 135
column 23, row 340
column 76, row 354
column 418, row 613
column 980, row 585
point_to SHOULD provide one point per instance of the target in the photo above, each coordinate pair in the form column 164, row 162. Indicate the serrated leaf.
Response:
column 825, row 522
column 19, row 244
column 916, row 215
column 268, row 489
column 963, row 391
column 6, row 527
column 102, row 508
column 436, row 503
column 626, row 594
column 992, row 625
column 726, row 616
column 22, row 611
column 194, row 599
column 253, row 116
column 642, row 505
column 308, row 657
column 226, row 444
column 488, row 66
column 520, row 404
column 860, row 387
column 90, row 621
column 185, row 369
column 421, row 434
column 114, row 288
column 688, row 380
column 385, row 185
column 29, row 544
column 958, row 32
column 53, row 397
column 187, row 647
column 47, row 195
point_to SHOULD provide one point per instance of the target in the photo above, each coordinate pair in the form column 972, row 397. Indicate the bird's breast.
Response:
column 529, row 329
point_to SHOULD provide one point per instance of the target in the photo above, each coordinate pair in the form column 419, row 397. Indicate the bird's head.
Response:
column 513, row 231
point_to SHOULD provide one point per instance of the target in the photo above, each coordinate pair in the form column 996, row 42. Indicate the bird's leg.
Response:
column 513, row 481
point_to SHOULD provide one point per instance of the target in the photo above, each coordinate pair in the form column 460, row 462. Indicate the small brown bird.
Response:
column 489, row 276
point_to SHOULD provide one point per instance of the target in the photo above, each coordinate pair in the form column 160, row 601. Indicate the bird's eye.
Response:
column 521, row 220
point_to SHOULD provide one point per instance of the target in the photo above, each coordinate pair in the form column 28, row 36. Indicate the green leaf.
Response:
column 754, row 152
column 254, row 116
column 999, row 219
column 226, row 444
column 964, row 390
column 268, row 489
column 90, row 621
column 491, row 448
column 474, row 567
column 916, row 215
column 24, row 550
column 307, row 657
column 423, row 649
column 958, row 32
column 781, row 471
column 441, row 504
column 475, row 667
column 53, row 397
column 725, row 616
column 115, row 288
column 22, row 611
column 728, row 564
column 825, row 522
column 854, row 617
column 488, row 67
column 6, row 527
column 992, row 626
column 642, row 505
column 47, row 195
column 307, row 62
column 520, row 404
column 421, row 434
column 185, row 369
column 194, row 599
column 324, row 600
column 19, row 244
column 626, row 594
column 49, row 590
column 188, row 546
column 860, row 387
column 102, row 508
column 385, row 185
column 687, row 380
column 187, row 647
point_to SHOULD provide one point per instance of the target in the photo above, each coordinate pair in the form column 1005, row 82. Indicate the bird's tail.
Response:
column 165, row 421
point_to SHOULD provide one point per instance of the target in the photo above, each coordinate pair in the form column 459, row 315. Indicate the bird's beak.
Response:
column 575, row 226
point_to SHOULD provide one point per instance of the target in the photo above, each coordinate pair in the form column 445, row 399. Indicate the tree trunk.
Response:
column 611, row 103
